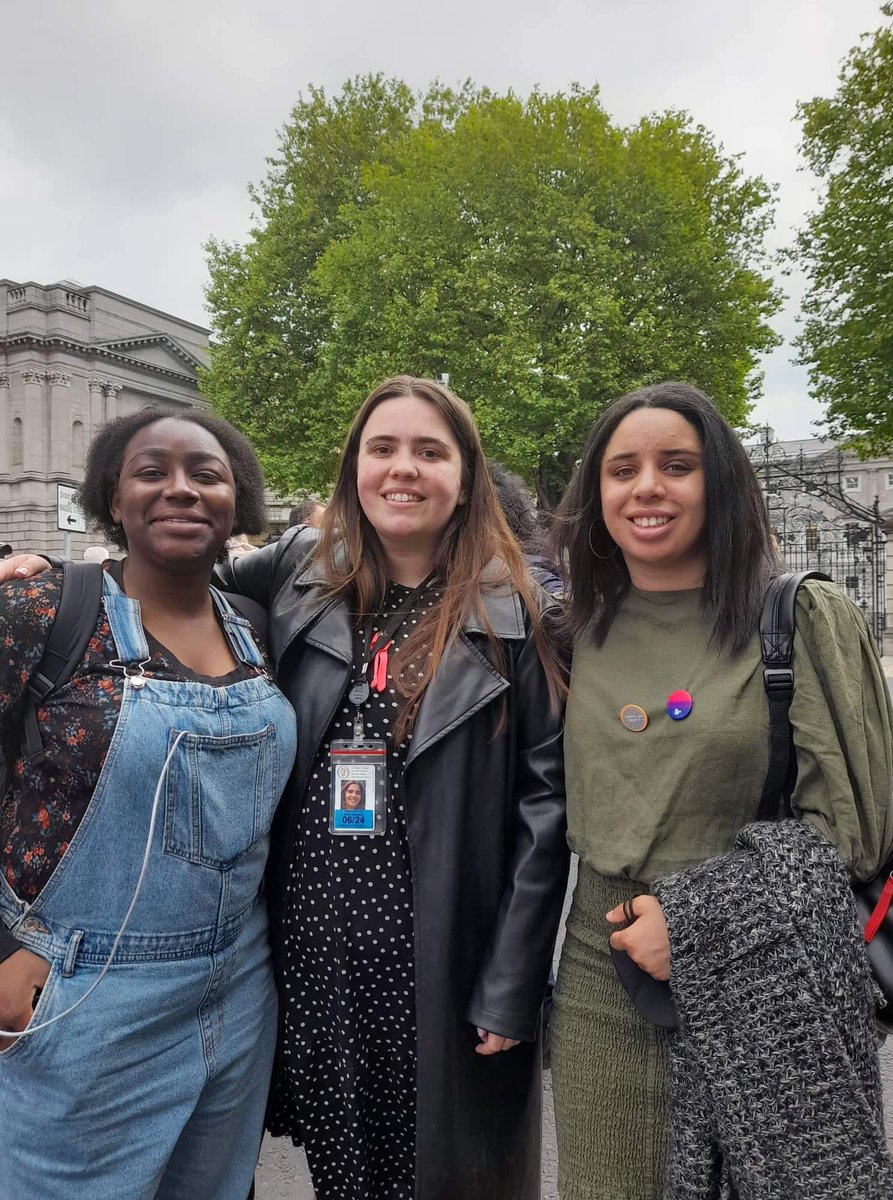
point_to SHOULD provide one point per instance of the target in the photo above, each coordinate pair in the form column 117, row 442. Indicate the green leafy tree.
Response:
column 543, row 257
column 846, row 248
column 270, row 322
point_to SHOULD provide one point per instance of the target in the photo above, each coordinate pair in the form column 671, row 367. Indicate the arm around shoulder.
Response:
column 261, row 574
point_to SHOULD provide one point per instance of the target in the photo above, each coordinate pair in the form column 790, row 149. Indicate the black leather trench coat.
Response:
column 489, row 860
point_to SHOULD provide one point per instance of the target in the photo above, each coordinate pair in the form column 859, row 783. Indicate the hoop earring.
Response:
column 595, row 553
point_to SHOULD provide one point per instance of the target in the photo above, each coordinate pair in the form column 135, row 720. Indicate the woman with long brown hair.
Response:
column 413, row 937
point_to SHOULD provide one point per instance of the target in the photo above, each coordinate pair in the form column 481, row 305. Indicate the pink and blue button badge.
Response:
column 679, row 705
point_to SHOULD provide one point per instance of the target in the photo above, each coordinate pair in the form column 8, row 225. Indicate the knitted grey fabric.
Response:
column 774, row 1075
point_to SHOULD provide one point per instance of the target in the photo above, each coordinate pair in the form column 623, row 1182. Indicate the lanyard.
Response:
column 380, row 641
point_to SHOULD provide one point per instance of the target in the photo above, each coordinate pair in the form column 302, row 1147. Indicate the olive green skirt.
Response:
column 609, row 1066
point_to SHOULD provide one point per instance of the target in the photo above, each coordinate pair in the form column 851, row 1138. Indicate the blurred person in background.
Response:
column 308, row 512
column 528, row 524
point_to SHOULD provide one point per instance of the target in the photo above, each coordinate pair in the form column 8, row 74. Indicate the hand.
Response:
column 22, row 977
column 492, row 1043
column 647, row 940
column 22, row 566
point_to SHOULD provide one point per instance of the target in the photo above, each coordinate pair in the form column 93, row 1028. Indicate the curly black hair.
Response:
column 106, row 454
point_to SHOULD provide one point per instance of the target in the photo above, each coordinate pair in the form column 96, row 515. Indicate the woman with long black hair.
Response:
column 668, row 552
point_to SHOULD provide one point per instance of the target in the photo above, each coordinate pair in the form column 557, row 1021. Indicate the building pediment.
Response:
column 161, row 355
column 153, row 350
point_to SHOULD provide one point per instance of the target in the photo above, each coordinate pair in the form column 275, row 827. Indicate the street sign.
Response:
column 69, row 514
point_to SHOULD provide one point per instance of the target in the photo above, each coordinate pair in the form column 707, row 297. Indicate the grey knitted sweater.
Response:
column 774, row 1078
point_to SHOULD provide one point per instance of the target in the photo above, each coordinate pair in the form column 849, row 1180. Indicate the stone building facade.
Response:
column 71, row 358
column 867, row 483
column 833, row 512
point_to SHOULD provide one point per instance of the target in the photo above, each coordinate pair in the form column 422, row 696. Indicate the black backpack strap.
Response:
column 777, row 623
column 66, row 645
column 251, row 611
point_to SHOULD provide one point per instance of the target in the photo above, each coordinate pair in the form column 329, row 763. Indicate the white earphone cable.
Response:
column 139, row 884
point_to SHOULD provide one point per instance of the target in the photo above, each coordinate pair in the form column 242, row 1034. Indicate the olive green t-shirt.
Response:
column 641, row 805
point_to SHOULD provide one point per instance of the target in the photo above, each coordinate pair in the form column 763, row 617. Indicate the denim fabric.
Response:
column 155, row 1087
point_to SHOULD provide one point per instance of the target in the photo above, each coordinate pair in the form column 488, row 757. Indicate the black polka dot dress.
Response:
column 346, row 1087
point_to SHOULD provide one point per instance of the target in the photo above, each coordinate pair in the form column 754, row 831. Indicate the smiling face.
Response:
column 653, row 499
column 352, row 796
column 175, row 496
column 409, row 475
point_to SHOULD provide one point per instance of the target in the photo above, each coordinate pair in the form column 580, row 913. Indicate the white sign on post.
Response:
column 69, row 514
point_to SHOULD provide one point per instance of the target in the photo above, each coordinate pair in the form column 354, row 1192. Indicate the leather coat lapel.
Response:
column 331, row 631
column 465, row 682
column 307, row 609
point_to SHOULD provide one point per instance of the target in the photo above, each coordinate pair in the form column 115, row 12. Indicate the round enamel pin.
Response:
column 679, row 705
column 633, row 717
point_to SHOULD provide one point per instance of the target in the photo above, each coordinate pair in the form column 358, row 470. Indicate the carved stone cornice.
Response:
column 94, row 350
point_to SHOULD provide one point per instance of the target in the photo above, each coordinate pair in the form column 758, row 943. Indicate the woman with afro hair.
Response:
column 137, row 1003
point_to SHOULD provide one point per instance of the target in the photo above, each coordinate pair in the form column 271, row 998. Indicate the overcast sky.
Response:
column 128, row 133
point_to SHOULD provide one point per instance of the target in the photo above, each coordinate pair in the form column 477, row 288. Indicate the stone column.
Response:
column 33, row 456
column 60, row 422
column 111, row 400
column 5, row 424
column 97, row 413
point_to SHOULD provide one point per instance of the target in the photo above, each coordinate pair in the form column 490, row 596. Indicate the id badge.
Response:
column 358, row 773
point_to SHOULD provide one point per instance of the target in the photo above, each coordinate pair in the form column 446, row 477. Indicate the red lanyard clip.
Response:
column 380, row 665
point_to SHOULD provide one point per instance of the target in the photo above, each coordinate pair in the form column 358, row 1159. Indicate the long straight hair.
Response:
column 738, row 541
column 477, row 552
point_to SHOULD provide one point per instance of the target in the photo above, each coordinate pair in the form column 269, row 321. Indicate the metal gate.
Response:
column 819, row 527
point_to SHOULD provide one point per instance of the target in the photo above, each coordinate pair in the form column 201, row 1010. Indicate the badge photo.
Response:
column 358, row 801
column 353, row 810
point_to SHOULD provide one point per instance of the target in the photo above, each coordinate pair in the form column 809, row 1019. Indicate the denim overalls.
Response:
column 156, row 1085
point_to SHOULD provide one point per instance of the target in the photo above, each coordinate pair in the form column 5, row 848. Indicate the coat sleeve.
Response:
column 262, row 573
column 842, row 722
column 510, row 986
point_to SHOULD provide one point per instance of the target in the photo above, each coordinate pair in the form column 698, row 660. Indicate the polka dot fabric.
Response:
column 346, row 1087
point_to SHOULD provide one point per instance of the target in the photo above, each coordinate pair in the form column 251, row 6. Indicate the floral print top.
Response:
column 45, row 801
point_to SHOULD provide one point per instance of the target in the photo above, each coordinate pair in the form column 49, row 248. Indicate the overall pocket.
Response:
column 42, row 1011
column 220, row 795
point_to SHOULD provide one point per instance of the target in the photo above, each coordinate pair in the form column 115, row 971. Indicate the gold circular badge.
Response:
column 634, row 718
